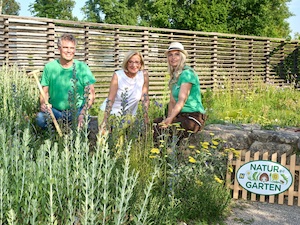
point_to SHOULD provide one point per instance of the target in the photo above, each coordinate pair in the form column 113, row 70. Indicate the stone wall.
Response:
column 254, row 138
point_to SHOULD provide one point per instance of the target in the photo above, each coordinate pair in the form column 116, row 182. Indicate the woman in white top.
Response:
column 127, row 87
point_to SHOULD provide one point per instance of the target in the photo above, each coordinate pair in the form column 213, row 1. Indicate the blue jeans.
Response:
column 66, row 115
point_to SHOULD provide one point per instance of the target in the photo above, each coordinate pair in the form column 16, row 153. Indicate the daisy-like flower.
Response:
column 192, row 160
column 155, row 151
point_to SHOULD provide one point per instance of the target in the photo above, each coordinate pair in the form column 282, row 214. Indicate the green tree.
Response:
column 9, row 7
column 55, row 9
column 202, row 15
column 112, row 11
column 92, row 11
column 259, row 17
column 246, row 17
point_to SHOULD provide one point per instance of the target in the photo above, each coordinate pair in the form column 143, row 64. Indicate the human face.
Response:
column 67, row 50
column 134, row 64
column 174, row 58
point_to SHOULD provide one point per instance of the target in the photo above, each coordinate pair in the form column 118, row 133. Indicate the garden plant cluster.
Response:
column 124, row 178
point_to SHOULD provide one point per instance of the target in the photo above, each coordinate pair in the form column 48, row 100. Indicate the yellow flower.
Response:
column 199, row 182
column 230, row 169
column 192, row 146
column 192, row 160
column 211, row 134
column 205, row 145
column 161, row 146
column 215, row 143
column 161, row 141
column 176, row 124
column 213, row 147
column 153, row 156
column 275, row 176
column 155, row 150
column 218, row 180
column 197, row 151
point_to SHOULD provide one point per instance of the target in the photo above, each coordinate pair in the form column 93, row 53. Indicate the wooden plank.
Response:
column 236, row 186
column 256, row 157
column 244, row 191
column 291, row 189
column 298, row 169
column 262, row 198
column 273, row 159
column 283, row 163
column 228, row 173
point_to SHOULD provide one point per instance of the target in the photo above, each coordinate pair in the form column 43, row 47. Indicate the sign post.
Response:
column 264, row 177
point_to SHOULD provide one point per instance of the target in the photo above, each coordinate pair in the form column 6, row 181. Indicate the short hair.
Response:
column 128, row 56
column 66, row 37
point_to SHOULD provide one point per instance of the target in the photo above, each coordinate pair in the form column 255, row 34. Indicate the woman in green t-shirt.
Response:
column 185, row 105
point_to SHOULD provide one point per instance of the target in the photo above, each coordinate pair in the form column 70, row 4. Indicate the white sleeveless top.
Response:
column 129, row 92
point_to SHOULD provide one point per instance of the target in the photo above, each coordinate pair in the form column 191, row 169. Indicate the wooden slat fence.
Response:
column 219, row 59
column 289, row 197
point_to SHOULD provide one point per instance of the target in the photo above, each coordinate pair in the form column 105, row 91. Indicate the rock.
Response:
column 254, row 138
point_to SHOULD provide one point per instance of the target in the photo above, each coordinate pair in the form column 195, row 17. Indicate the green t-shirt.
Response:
column 59, row 81
column 193, row 102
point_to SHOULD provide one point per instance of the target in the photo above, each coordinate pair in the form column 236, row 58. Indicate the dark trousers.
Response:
column 193, row 122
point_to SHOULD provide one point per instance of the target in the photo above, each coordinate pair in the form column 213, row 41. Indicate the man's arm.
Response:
column 44, row 102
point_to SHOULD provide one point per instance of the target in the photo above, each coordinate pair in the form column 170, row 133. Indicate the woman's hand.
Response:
column 165, row 123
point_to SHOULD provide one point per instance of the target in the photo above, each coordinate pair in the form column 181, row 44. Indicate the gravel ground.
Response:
column 258, row 213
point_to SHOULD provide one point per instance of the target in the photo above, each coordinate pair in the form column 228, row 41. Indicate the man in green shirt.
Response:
column 63, row 79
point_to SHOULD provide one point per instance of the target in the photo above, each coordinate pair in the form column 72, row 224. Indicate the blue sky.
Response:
column 294, row 7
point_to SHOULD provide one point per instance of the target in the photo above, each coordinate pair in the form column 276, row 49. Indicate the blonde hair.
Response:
column 128, row 56
column 175, row 72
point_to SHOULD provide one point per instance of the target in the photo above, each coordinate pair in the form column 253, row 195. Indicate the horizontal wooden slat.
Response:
column 31, row 42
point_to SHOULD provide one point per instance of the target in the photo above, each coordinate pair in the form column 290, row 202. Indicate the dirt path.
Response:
column 258, row 213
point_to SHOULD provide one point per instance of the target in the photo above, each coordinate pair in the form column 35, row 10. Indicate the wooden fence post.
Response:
column 117, row 49
column 192, row 57
column 86, row 44
column 214, row 61
column 267, row 63
column 6, row 40
column 251, row 58
column 51, row 41
column 145, row 50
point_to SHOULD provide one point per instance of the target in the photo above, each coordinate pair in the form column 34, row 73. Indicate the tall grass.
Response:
column 123, row 179
column 257, row 102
